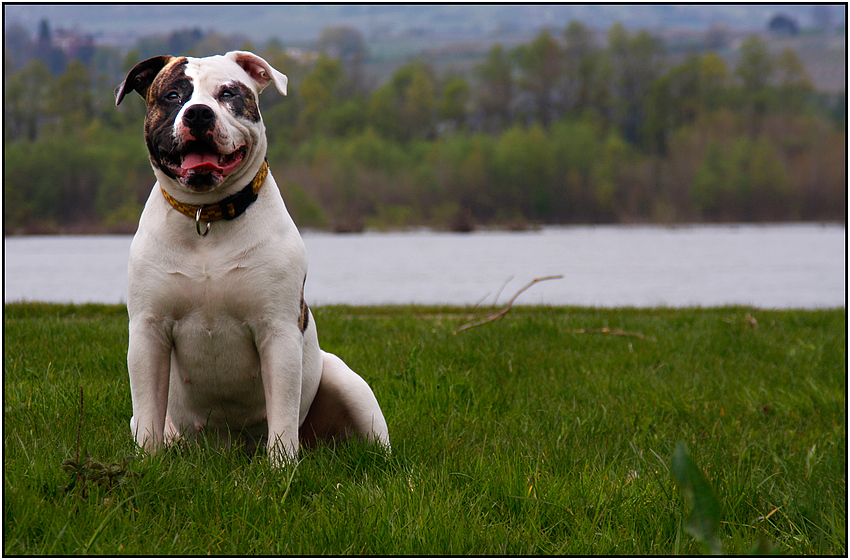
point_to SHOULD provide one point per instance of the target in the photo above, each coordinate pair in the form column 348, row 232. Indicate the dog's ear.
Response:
column 141, row 77
column 259, row 70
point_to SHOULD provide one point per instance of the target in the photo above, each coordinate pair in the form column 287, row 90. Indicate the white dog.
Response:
column 221, row 340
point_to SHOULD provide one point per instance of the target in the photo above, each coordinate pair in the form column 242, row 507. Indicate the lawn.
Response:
column 547, row 431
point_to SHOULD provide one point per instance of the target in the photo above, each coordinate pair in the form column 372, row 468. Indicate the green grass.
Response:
column 517, row 437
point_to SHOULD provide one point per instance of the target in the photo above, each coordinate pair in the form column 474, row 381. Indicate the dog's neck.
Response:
column 228, row 208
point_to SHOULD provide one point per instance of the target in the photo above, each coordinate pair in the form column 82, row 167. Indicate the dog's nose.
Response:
column 198, row 116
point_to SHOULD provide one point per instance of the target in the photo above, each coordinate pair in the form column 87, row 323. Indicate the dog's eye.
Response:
column 172, row 96
column 226, row 94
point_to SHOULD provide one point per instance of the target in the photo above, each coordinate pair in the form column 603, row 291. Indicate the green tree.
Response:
column 754, row 72
column 346, row 44
column 322, row 92
column 678, row 97
column 756, row 66
column 664, row 107
column 419, row 106
column 711, row 186
column 383, row 113
column 576, row 146
column 713, row 81
column 609, row 173
column 495, row 88
column 454, row 100
column 70, row 98
column 406, row 107
column 771, row 193
column 17, row 48
column 50, row 190
column 744, row 180
column 463, row 168
column 52, row 56
column 283, row 114
column 581, row 65
column 541, row 64
column 371, row 151
column 795, row 85
column 636, row 63
column 25, row 97
column 523, row 170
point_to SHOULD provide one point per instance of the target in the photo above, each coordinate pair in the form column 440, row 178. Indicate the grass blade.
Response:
column 704, row 518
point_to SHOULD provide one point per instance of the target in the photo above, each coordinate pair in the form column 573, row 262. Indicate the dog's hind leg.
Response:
column 344, row 407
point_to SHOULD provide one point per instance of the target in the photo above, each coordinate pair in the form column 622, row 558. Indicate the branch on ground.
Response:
column 608, row 330
column 507, row 308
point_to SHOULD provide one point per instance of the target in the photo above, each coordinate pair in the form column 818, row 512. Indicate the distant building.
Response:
column 74, row 44
column 783, row 26
column 303, row 56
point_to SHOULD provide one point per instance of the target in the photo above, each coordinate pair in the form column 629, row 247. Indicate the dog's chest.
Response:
column 208, row 287
column 212, row 306
column 206, row 300
column 214, row 346
column 214, row 309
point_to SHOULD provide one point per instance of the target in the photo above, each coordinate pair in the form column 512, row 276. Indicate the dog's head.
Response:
column 203, row 126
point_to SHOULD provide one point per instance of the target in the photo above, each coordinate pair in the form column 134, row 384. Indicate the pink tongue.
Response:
column 201, row 162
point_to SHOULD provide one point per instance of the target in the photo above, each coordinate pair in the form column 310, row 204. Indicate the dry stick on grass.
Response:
column 607, row 330
column 507, row 308
column 495, row 299
column 505, row 283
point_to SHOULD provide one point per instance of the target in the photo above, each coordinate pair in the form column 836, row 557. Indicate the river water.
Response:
column 767, row 266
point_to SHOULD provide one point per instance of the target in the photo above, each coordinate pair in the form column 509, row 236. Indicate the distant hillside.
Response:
column 302, row 23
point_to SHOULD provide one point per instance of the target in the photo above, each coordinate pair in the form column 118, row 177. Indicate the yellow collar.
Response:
column 229, row 208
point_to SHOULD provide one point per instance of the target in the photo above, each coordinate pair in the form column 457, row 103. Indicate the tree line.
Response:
column 563, row 129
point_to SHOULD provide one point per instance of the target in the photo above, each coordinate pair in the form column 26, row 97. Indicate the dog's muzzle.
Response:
column 197, row 160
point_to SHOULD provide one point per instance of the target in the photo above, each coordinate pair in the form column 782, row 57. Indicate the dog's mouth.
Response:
column 201, row 167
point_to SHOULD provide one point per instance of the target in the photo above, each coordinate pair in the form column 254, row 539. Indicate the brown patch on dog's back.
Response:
column 304, row 317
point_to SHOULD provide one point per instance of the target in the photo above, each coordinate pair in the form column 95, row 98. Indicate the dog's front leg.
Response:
column 280, row 351
column 149, row 365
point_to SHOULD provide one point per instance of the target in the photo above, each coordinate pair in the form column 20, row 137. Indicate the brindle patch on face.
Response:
column 165, row 98
column 168, row 77
column 240, row 100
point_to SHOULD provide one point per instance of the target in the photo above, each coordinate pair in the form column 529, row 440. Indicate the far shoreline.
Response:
column 124, row 229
